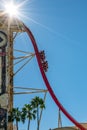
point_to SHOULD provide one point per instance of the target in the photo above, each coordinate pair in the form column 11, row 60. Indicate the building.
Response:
column 70, row 128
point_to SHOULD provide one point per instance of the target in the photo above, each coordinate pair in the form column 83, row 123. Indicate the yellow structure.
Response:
column 8, row 26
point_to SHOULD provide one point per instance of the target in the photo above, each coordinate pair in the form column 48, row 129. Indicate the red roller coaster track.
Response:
column 47, row 82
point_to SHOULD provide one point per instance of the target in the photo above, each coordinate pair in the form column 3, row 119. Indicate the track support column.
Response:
column 10, row 74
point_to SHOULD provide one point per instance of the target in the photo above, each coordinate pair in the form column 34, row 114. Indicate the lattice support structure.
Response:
column 7, row 28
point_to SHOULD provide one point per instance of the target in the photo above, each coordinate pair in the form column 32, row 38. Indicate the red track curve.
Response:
column 47, row 82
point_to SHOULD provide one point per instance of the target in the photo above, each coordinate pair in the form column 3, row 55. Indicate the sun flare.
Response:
column 11, row 9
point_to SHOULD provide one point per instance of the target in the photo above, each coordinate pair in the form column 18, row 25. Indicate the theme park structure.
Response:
column 9, row 28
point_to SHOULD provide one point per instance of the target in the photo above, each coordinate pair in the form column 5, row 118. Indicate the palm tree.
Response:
column 23, row 115
column 29, row 113
column 37, row 103
column 14, row 115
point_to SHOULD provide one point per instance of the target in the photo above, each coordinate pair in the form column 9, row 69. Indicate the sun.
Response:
column 11, row 9
column 17, row 9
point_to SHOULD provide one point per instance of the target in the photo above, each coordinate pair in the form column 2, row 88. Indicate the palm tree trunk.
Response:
column 37, row 118
column 28, row 124
column 17, row 124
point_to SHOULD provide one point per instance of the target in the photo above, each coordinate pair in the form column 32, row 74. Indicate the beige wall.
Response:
column 71, row 128
column 65, row 128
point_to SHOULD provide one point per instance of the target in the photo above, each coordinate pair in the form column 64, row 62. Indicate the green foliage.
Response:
column 38, row 104
column 29, row 112
column 14, row 115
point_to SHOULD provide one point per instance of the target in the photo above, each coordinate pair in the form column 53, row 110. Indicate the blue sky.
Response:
column 59, row 27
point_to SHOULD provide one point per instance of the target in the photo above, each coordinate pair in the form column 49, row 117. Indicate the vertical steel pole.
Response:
column 10, row 74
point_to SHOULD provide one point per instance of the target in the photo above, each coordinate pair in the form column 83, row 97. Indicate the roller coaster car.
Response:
column 42, row 55
column 45, row 65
